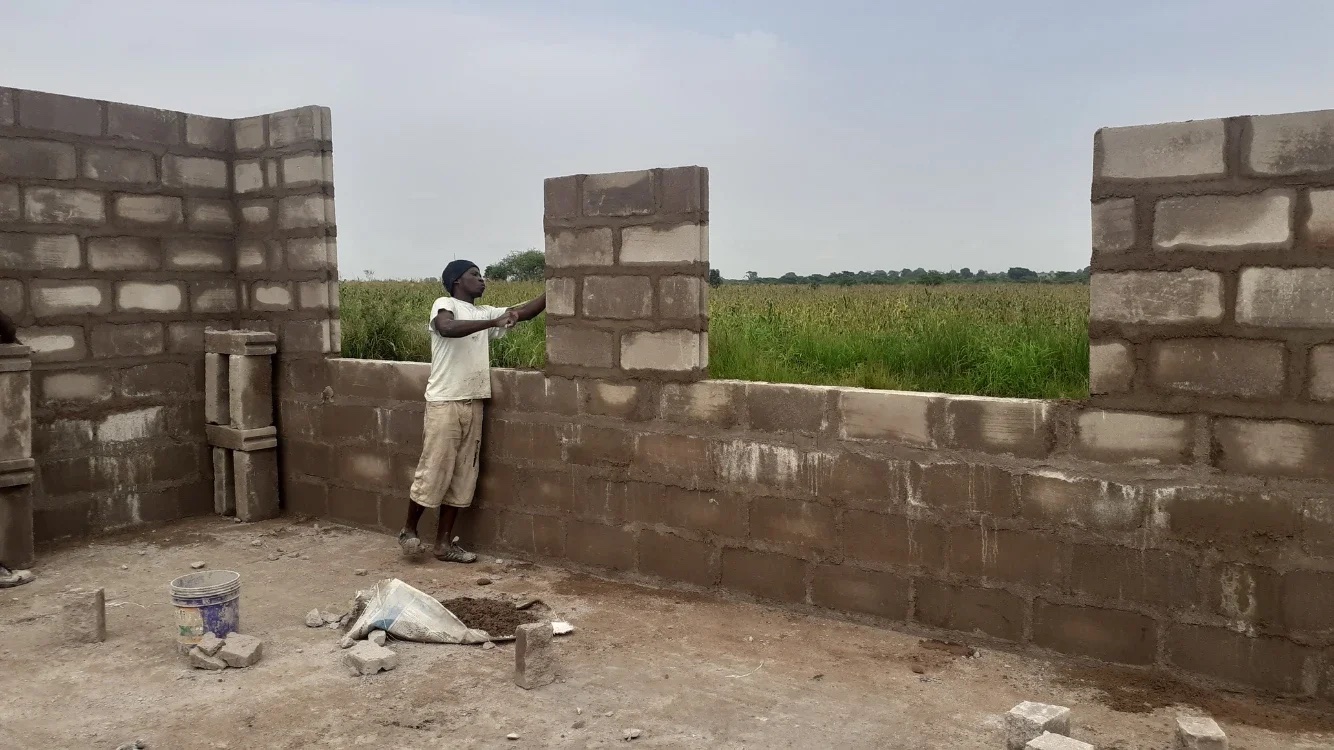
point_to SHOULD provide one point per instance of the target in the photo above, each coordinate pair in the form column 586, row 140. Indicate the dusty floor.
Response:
column 686, row 670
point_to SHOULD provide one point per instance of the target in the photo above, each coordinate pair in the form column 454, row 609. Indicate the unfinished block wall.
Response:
column 1213, row 288
column 125, row 233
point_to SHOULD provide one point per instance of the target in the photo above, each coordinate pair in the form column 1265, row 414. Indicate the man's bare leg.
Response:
column 407, row 537
column 445, row 549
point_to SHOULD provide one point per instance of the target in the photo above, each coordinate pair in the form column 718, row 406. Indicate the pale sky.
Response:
column 839, row 135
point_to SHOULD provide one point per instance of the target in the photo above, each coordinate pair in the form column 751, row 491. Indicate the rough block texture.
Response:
column 627, row 266
column 1029, row 721
column 1171, row 150
column 366, row 658
column 1199, row 733
column 1051, row 741
column 83, row 616
column 240, row 651
column 120, row 235
column 534, row 656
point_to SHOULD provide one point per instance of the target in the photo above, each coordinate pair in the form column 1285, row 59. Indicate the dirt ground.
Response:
column 686, row 670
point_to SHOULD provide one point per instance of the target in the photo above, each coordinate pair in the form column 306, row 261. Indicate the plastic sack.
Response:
column 409, row 615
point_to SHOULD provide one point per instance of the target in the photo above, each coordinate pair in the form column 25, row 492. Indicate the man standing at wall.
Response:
column 10, row 578
column 459, row 382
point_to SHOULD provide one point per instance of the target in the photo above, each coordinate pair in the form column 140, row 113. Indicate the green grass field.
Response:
column 995, row 340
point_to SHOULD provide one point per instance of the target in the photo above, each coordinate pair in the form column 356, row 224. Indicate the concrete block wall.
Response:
column 627, row 271
column 1210, row 296
column 125, row 233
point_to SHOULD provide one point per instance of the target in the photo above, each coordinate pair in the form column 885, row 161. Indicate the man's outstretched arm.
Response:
column 530, row 309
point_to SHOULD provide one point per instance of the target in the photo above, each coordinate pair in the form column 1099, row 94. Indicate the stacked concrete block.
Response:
column 16, row 462
column 125, row 233
column 238, row 400
column 627, row 271
column 1211, row 277
column 1029, row 721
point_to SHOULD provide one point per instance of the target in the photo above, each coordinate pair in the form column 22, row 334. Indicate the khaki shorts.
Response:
column 451, row 447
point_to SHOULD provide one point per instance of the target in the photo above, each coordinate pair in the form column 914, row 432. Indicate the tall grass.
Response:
column 996, row 340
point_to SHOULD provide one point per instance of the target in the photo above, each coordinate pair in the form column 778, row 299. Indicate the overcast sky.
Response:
column 839, row 135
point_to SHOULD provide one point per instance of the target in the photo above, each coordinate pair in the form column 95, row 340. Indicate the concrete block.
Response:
column 16, row 406
column 1117, row 437
column 1028, row 721
column 151, row 210
column 16, row 472
column 217, row 393
column 310, row 254
column 1021, row 427
column 136, row 123
column 620, row 297
column 194, row 172
column 124, row 254
column 120, row 165
column 891, row 416
column 1261, row 221
column 213, row 297
column 39, row 252
column 1295, row 143
column 312, row 295
column 234, row 438
column 576, row 345
column 212, row 133
column 301, row 211
column 11, row 208
column 715, row 402
column 560, row 296
column 7, row 97
column 12, row 301
column 307, row 169
column 241, row 651
column 1219, row 366
column 560, row 197
column 45, row 205
column 56, row 343
column 149, row 296
column 224, row 483
column 1277, row 448
column 201, row 660
column 24, row 158
column 682, row 297
column 579, row 247
column 1050, row 497
column 534, row 655
column 298, row 125
column 127, row 340
column 251, row 385
column 1199, row 733
column 84, row 615
column 684, row 190
column 88, row 387
column 1174, row 149
column 199, row 254
column 211, row 216
column 248, row 134
column 684, row 243
column 256, row 475
column 247, row 177
column 1322, row 372
column 252, row 255
column 1050, row 741
column 68, row 114
column 618, row 194
column 1286, row 297
column 249, row 343
column 270, row 296
column 257, row 214
column 1320, row 222
column 1156, row 297
column 54, row 298
column 366, row 658
column 210, row 644
column 314, row 336
column 675, row 351
column 1111, row 367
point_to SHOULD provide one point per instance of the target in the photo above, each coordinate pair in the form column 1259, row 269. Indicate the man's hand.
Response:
column 507, row 319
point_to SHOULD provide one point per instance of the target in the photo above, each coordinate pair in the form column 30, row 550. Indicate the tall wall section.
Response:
column 125, row 232
column 1114, row 530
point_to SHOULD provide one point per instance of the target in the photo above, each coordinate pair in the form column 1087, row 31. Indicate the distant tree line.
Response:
column 529, row 265
column 912, row 276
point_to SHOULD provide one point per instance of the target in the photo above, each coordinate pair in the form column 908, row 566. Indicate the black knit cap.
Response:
column 453, row 272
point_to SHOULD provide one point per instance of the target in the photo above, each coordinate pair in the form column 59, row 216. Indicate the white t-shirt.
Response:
column 461, row 368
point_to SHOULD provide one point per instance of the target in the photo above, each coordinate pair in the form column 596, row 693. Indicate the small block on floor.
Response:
column 534, row 656
column 1200, row 733
column 85, row 615
column 367, row 658
column 241, row 651
column 201, row 660
column 1049, row 741
column 1027, row 721
column 209, row 644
